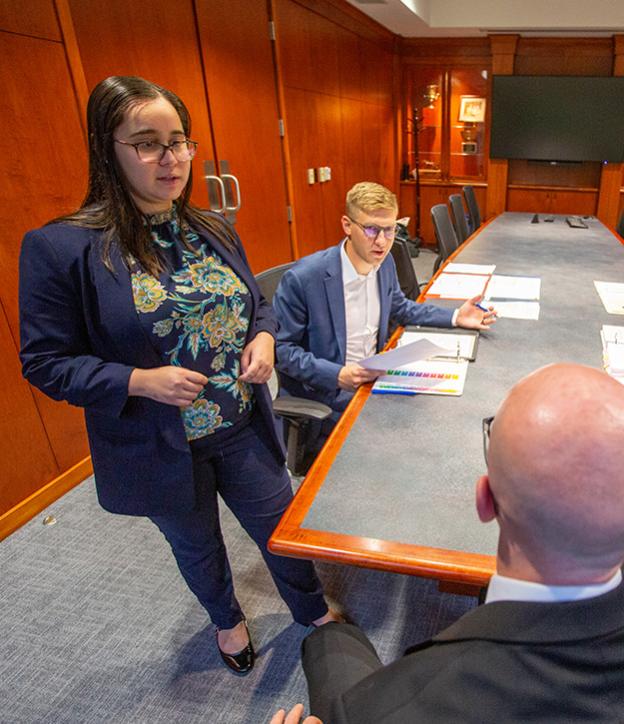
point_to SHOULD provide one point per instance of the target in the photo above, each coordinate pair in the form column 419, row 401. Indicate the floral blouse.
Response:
column 197, row 317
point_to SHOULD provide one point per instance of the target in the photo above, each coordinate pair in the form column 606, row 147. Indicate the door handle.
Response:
column 237, row 201
column 217, row 200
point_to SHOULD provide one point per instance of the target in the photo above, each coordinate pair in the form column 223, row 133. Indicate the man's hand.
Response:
column 258, row 359
column 170, row 385
column 471, row 316
column 293, row 717
column 351, row 376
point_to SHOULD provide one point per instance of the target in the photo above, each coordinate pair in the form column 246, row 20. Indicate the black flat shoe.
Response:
column 241, row 662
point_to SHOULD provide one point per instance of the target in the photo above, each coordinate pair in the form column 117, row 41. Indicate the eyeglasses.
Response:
column 154, row 152
column 486, row 425
column 372, row 231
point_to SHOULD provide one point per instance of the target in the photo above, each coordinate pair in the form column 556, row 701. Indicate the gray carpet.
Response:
column 98, row 626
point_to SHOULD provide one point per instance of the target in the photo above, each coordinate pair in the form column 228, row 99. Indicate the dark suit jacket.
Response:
column 312, row 338
column 503, row 662
column 80, row 340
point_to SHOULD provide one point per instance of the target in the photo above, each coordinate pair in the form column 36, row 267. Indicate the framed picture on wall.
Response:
column 471, row 109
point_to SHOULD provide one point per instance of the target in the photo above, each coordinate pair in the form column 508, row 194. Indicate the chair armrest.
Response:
column 294, row 408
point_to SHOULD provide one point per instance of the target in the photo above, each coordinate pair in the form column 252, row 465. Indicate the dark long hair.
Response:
column 108, row 205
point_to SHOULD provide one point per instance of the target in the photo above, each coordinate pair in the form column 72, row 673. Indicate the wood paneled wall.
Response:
column 45, row 176
column 329, row 75
column 589, row 188
column 337, row 86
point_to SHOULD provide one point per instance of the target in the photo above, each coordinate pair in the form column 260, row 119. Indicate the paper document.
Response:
column 458, row 286
column 457, row 268
column 615, row 354
column 613, row 350
column 507, row 287
column 517, row 310
column 609, row 333
column 403, row 355
column 429, row 377
column 612, row 296
column 455, row 345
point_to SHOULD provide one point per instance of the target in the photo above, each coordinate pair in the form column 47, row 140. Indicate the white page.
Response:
column 432, row 377
column 615, row 357
column 612, row 333
column 507, row 287
column 517, row 310
column 458, row 268
column 404, row 355
column 448, row 341
column 458, row 286
column 612, row 296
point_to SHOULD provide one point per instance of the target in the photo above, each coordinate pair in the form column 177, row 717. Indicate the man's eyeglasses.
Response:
column 372, row 231
column 154, row 152
column 486, row 425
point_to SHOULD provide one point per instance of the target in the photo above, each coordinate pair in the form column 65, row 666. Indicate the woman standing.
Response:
column 143, row 310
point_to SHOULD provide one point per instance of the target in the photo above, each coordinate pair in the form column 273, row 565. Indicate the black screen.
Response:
column 562, row 118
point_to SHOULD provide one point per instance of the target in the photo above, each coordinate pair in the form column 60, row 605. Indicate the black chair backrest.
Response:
column 473, row 207
column 445, row 234
column 405, row 269
column 620, row 226
column 269, row 279
column 459, row 217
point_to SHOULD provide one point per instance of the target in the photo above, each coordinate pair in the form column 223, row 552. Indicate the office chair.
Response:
column 620, row 225
column 297, row 411
column 444, row 232
column 405, row 269
column 473, row 208
column 459, row 217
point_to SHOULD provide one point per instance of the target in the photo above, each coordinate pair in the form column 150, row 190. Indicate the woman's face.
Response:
column 153, row 186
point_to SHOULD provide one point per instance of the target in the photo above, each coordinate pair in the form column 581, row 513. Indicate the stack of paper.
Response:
column 458, row 268
column 612, row 296
column 430, row 377
column 515, row 297
column 508, row 287
column 613, row 350
column 458, row 286
column 409, row 372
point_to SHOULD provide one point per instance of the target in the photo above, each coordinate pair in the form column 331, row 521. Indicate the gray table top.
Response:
column 407, row 470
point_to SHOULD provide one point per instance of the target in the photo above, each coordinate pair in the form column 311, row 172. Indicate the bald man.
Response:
column 548, row 645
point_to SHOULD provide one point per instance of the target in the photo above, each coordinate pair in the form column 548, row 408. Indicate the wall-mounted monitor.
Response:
column 558, row 118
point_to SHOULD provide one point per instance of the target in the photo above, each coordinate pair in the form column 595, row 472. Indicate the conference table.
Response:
column 393, row 488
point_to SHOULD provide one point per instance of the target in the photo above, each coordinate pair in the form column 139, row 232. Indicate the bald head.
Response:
column 556, row 474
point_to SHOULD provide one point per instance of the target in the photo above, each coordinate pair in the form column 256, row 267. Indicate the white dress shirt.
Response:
column 502, row 588
column 362, row 309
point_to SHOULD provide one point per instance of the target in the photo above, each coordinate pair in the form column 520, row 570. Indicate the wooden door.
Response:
column 240, row 75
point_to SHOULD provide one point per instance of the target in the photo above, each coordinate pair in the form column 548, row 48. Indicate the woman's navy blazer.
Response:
column 80, row 340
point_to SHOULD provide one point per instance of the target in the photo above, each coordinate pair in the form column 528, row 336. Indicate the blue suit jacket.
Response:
column 312, row 338
column 80, row 340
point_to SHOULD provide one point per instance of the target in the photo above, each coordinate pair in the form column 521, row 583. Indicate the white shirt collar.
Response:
column 502, row 588
column 349, row 272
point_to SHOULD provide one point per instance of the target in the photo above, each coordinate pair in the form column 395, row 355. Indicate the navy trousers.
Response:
column 256, row 487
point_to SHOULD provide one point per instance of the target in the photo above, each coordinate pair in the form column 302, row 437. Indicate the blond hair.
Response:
column 369, row 196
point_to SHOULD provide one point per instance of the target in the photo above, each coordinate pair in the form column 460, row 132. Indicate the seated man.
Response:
column 548, row 644
column 334, row 306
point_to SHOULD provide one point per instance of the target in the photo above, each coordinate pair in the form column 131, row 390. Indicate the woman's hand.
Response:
column 170, row 385
column 258, row 359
